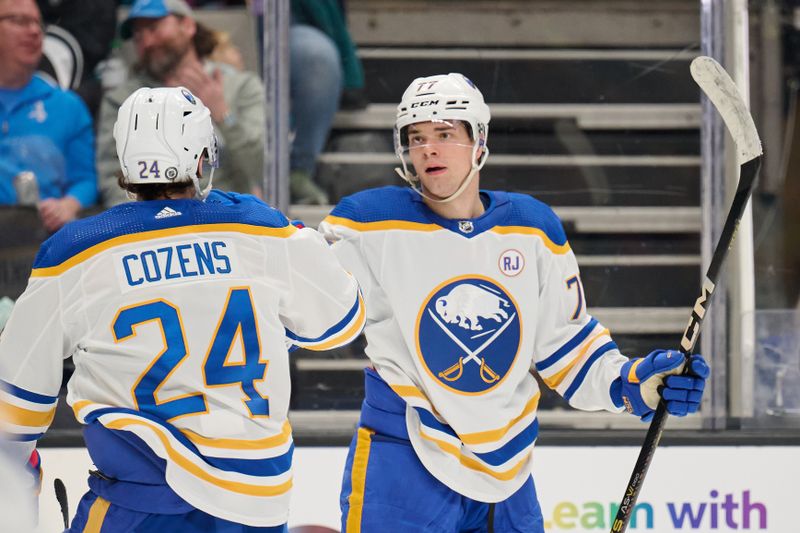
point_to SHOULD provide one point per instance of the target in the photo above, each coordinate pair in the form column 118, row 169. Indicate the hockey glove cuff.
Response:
column 644, row 381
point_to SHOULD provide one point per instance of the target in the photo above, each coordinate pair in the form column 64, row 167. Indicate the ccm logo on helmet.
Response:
column 426, row 103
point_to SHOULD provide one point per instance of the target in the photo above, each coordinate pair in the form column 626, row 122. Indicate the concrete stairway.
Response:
column 593, row 112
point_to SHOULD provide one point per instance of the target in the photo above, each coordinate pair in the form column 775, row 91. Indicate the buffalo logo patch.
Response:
column 468, row 334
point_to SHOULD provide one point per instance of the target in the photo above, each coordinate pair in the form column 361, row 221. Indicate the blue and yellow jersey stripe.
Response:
column 400, row 208
column 262, row 477
column 347, row 329
column 566, row 368
column 558, row 249
column 25, row 415
column 468, row 460
column 489, row 451
column 496, row 455
column 405, row 225
column 121, row 240
column 415, row 397
column 382, row 225
column 274, row 441
column 495, row 435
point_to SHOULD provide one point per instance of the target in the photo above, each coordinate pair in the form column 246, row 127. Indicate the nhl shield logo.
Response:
column 468, row 334
column 465, row 226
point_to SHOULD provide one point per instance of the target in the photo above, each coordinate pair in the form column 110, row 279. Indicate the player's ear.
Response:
column 200, row 164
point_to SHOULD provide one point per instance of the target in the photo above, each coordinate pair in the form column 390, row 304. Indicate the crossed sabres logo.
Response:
column 468, row 334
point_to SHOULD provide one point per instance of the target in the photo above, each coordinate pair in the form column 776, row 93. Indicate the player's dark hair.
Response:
column 153, row 191
column 404, row 131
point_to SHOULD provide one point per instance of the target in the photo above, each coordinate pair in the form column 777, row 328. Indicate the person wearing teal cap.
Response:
column 153, row 9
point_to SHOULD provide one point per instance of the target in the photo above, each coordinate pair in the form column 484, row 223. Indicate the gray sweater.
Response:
column 241, row 142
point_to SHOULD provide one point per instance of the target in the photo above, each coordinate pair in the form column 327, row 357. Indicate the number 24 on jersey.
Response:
column 238, row 320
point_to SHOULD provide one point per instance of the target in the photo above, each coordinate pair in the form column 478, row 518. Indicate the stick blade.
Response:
column 721, row 90
column 61, row 496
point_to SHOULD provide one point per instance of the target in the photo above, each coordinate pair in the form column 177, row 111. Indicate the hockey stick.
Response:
column 61, row 496
column 721, row 90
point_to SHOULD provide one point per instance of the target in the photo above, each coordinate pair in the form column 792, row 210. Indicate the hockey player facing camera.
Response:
column 468, row 292
column 177, row 310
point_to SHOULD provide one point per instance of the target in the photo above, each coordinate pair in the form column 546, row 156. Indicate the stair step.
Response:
column 519, row 160
column 557, row 54
column 557, row 137
column 634, row 244
column 556, row 180
column 632, row 219
column 631, row 286
column 622, row 186
column 642, row 320
column 605, row 24
column 543, row 81
column 638, row 220
column 638, row 260
column 588, row 116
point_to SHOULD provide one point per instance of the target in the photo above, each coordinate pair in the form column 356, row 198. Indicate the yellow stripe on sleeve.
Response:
column 351, row 331
column 78, row 406
column 556, row 379
column 26, row 417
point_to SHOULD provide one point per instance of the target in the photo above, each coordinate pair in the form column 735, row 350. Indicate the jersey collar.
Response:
column 495, row 213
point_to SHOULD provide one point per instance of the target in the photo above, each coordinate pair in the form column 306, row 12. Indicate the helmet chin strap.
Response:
column 201, row 194
column 415, row 182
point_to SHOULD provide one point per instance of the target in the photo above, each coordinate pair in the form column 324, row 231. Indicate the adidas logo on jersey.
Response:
column 167, row 212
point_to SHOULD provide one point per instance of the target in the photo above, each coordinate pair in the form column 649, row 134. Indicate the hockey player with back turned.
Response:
column 177, row 310
column 469, row 291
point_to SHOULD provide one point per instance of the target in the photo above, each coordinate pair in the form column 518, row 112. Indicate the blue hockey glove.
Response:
column 644, row 381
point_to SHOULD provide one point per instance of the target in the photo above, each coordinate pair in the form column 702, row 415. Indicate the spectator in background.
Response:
column 46, row 138
column 79, row 36
column 172, row 49
column 324, row 70
column 226, row 52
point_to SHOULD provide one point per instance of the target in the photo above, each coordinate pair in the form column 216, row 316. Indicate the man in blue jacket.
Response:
column 46, row 136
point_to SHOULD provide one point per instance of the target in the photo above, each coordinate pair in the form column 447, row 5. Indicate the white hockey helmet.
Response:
column 161, row 134
column 444, row 97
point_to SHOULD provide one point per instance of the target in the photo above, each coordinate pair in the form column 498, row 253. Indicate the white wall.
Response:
column 577, row 487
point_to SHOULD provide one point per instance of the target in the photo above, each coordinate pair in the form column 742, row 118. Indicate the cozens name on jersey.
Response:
column 176, row 261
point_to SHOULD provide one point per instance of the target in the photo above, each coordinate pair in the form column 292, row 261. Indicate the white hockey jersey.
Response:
column 177, row 315
column 458, row 313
